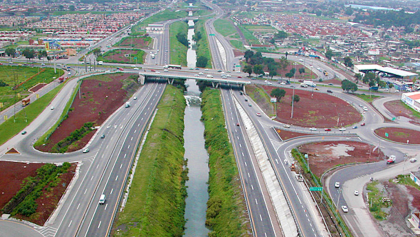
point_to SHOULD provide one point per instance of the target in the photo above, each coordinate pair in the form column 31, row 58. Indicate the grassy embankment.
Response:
column 250, row 38
column 260, row 96
column 24, row 78
column 367, row 98
column 375, row 201
column 127, row 42
column 226, row 28
column 226, row 209
column 162, row 16
column 12, row 126
column 203, row 48
column 156, row 203
column 107, row 57
column 178, row 51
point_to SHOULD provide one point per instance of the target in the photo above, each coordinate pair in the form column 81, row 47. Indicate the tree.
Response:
column 248, row 54
column 272, row 73
column 348, row 62
column 284, row 63
column 71, row 8
column 10, row 52
column 348, row 86
column 358, row 77
column 286, row 55
column 278, row 93
column 247, row 69
column 296, row 98
column 329, row 54
column 96, row 52
column 182, row 38
column 301, row 70
column 281, row 35
column 197, row 36
column 60, row 7
column 258, row 70
column 28, row 53
column 201, row 61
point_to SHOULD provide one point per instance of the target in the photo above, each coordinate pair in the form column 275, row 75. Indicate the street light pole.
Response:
column 293, row 96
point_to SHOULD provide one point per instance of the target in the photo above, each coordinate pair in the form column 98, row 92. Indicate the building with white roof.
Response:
column 388, row 70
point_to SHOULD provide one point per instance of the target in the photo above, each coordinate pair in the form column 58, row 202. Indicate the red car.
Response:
column 120, row 69
column 363, row 124
column 239, row 77
column 237, row 124
column 152, row 70
column 328, row 129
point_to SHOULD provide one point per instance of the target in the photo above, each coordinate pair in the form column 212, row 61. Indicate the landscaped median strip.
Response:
column 284, row 215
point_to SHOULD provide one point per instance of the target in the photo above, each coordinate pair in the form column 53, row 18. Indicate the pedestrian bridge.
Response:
column 170, row 76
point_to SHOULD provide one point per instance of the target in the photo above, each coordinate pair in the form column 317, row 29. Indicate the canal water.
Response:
column 195, row 152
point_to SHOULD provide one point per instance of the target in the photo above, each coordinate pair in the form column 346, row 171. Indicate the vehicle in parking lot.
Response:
column 329, row 91
column 345, row 209
column 313, row 129
column 337, row 184
column 328, row 129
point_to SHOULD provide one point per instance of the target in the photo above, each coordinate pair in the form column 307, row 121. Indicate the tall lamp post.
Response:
column 293, row 96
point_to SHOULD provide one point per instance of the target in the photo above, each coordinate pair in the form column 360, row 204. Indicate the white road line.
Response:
column 240, row 145
column 237, row 137
column 243, row 154
column 249, row 175
column 256, row 202
column 85, row 191
column 120, row 166
column 116, row 178
column 277, row 161
column 141, row 119
column 106, row 148
column 99, row 224
column 106, row 205
column 91, row 178
column 252, row 187
column 78, row 207
column 70, row 223
column 128, row 147
column 131, row 139
column 246, row 164
column 265, row 234
column 97, row 166
column 135, row 131
column 112, row 190
column 138, row 125
column 260, row 217
column 125, row 155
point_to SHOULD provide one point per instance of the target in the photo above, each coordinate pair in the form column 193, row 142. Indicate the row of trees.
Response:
column 28, row 53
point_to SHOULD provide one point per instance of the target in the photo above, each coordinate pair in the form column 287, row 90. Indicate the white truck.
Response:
column 309, row 83
column 210, row 76
column 127, row 104
column 152, row 56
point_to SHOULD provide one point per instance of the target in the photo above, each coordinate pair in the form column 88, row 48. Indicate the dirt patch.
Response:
column 37, row 87
column 137, row 42
column 99, row 99
column 281, row 73
column 397, row 108
column 238, row 53
column 401, row 135
column 11, row 176
column 285, row 135
column 334, row 81
column 325, row 155
column 318, row 110
column 49, row 199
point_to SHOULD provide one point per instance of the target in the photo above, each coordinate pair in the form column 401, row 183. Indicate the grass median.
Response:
column 178, row 53
column 226, row 210
column 156, row 202
column 12, row 126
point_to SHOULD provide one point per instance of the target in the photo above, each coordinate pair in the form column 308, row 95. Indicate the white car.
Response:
column 157, row 72
column 283, row 83
column 259, row 114
column 313, row 129
column 201, row 73
column 342, row 129
column 337, row 184
column 86, row 150
column 345, row 209
column 412, row 160
column 356, row 193
column 136, row 68
column 365, row 108
column 286, row 126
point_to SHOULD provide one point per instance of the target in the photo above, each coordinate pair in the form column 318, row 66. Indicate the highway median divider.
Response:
column 156, row 201
column 226, row 208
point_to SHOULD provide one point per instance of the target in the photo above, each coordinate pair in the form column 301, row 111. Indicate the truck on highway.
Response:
column 26, row 102
column 309, row 83
column 127, row 104
column 152, row 56
column 210, row 76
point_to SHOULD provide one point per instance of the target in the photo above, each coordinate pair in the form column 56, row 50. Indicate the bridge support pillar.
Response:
column 243, row 88
column 170, row 81
column 217, row 85
column 141, row 79
column 212, row 84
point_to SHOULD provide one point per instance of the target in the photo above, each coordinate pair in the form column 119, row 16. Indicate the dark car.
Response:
column 103, row 136
column 237, row 124
column 329, row 91
column 24, row 132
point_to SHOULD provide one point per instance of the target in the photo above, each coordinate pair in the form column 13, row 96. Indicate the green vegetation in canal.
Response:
column 203, row 49
column 376, row 203
column 19, row 79
column 226, row 209
column 178, row 53
column 156, row 202
column 12, row 126
column 367, row 98
column 224, row 27
column 162, row 16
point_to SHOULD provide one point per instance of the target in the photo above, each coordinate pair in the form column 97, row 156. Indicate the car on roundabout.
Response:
column 23, row 133
column 342, row 129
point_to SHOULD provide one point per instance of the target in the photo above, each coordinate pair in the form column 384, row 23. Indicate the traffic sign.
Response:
column 212, row 34
column 315, row 188
column 386, row 134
